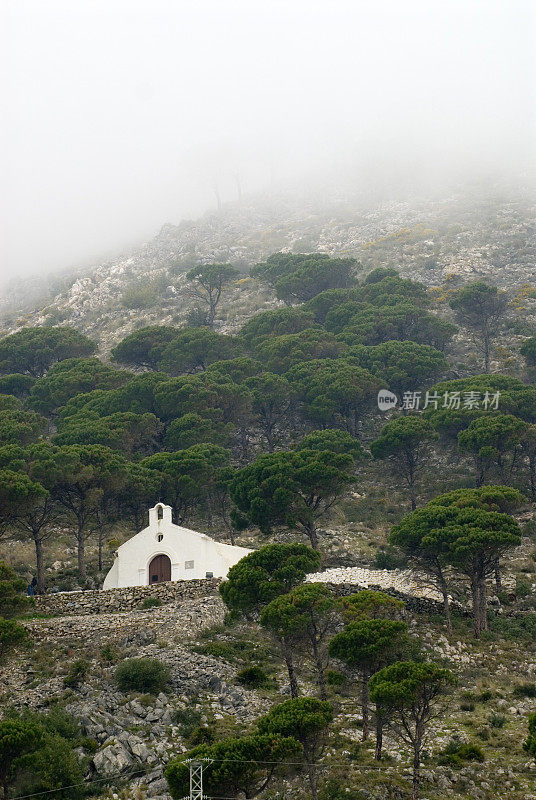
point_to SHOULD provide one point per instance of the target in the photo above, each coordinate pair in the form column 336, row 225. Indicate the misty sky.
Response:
column 119, row 115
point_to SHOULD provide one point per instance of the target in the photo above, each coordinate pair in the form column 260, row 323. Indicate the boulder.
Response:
column 112, row 760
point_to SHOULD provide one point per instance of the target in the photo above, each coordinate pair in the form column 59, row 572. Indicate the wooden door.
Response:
column 160, row 569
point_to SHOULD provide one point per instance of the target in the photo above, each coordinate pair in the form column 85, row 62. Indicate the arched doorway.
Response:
column 160, row 569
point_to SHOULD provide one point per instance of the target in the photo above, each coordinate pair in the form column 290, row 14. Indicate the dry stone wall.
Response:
column 399, row 583
column 103, row 601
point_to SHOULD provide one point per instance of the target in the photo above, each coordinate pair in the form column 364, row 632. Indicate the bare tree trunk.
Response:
column 100, row 545
column 210, row 521
column 416, row 769
column 410, row 464
column 412, row 494
column 39, row 564
column 482, row 604
column 479, row 468
column 311, row 771
column 244, row 443
column 446, row 603
column 476, row 606
column 379, row 737
column 310, row 530
column 320, row 671
column 211, row 316
column 532, row 474
column 269, row 433
column 486, row 343
column 497, row 573
column 287, row 654
column 365, row 704
column 81, row 553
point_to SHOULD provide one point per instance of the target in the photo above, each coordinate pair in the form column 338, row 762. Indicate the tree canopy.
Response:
column 405, row 366
column 35, row 350
column 306, row 720
column 402, row 442
column 144, row 347
column 469, row 537
column 71, row 377
column 193, row 349
column 291, row 488
column 335, row 392
column 493, row 441
column 406, row 694
column 481, row 307
column 279, row 322
column 208, row 282
column 366, row 645
column 299, row 277
column 266, row 573
column 281, row 353
column 246, row 764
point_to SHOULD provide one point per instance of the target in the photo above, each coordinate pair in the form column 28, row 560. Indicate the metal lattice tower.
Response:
column 196, row 780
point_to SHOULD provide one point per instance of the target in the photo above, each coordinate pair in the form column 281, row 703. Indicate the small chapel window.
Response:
column 188, row 565
column 159, row 537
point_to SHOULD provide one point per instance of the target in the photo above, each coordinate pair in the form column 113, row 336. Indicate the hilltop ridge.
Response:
column 464, row 235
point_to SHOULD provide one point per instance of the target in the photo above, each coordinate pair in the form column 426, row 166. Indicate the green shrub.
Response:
column 146, row 700
column 471, row 752
column 525, row 690
column 151, row 602
column 197, row 318
column 253, row 678
column 188, row 720
column 530, row 744
column 455, row 753
column 335, row 679
column 218, row 650
column 522, row 588
column 497, row 720
column 468, row 702
column 76, row 674
column 467, row 705
column 522, row 627
column 504, row 599
column 388, row 559
column 142, row 675
column 109, row 654
column 143, row 294
column 201, row 735
column 333, row 790
column 485, row 695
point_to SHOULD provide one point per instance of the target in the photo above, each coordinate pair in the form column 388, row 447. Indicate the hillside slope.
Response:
column 468, row 235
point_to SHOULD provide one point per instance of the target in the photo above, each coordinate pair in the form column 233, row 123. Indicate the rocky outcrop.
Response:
column 440, row 242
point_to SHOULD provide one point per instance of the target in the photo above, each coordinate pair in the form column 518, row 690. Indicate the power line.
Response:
column 84, row 783
column 118, row 775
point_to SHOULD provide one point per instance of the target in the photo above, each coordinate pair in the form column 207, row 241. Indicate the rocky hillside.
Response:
column 200, row 673
column 134, row 734
column 474, row 233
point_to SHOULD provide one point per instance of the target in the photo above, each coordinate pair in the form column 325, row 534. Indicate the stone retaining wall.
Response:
column 341, row 582
column 419, row 605
column 101, row 601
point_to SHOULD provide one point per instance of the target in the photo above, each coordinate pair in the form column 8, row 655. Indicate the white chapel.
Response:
column 167, row 552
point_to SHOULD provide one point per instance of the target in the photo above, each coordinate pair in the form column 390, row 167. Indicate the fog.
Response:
column 121, row 115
